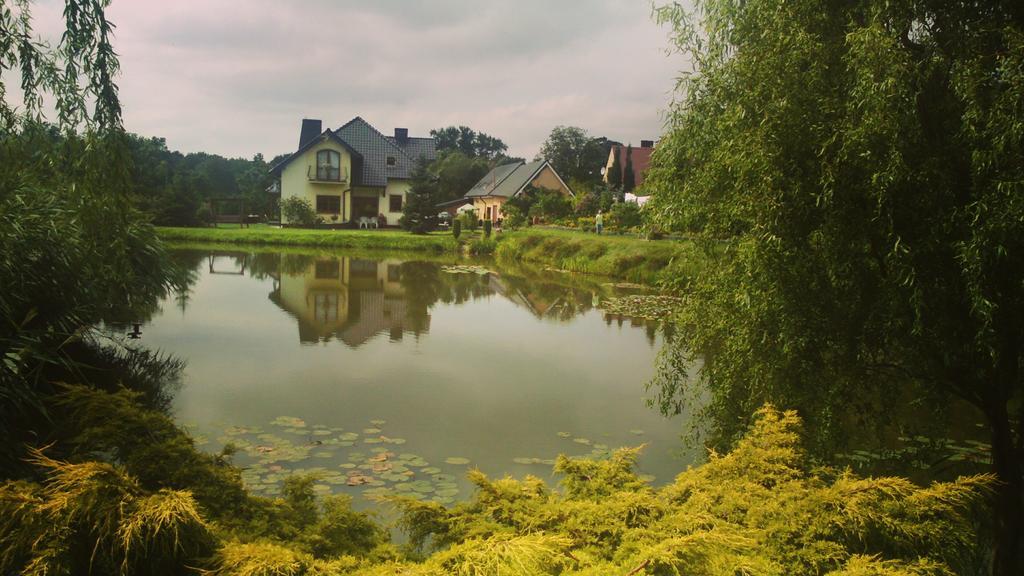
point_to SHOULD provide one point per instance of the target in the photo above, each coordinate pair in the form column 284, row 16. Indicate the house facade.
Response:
column 508, row 180
column 641, row 157
column 352, row 173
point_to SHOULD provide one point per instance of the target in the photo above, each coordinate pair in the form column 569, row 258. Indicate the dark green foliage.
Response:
column 625, row 215
column 299, row 211
column 455, row 173
column 865, row 162
column 628, row 178
column 457, row 228
column 513, row 216
column 468, row 142
column 487, row 228
column 574, row 154
column 548, row 205
column 419, row 214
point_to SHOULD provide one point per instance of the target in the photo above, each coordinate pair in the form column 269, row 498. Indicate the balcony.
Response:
column 327, row 174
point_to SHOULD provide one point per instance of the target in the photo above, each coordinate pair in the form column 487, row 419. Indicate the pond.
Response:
column 384, row 373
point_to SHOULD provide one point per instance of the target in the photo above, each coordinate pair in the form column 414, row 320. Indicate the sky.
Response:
column 236, row 77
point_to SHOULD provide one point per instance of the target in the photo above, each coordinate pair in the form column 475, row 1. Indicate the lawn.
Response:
column 384, row 239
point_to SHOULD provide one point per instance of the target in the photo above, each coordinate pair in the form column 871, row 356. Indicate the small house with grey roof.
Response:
column 508, row 180
column 354, row 172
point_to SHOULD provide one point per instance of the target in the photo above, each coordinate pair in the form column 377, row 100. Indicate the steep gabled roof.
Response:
column 370, row 151
column 415, row 147
column 508, row 180
column 376, row 147
column 356, row 156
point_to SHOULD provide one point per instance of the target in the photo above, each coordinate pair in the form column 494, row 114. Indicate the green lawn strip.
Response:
column 362, row 239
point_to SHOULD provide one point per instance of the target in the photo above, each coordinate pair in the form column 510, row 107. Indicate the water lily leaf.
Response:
column 637, row 432
column 431, row 470
column 321, row 432
column 371, row 430
column 378, row 422
column 585, row 441
column 564, row 435
column 288, row 421
column 456, row 460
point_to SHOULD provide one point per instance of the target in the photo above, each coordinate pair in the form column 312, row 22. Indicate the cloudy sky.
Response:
column 235, row 77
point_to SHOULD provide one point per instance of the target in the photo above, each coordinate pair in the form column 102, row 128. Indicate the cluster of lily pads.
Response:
column 646, row 306
column 373, row 464
column 368, row 461
column 465, row 269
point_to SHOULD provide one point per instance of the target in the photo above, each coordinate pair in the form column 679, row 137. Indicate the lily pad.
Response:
column 637, row 432
column 456, row 460
column 288, row 421
column 378, row 422
column 371, row 430
column 564, row 435
column 585, row 441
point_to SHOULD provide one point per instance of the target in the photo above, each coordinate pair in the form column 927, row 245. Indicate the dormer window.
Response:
column 328, row 165
column 392, row 160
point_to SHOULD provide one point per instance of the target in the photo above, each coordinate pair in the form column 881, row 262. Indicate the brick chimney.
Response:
column 310, row 130
column 401, row 135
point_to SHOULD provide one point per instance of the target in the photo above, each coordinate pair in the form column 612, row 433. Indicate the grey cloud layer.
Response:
column 235, row 76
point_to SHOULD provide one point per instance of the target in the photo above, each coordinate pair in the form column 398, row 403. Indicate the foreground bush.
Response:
column 761, row 509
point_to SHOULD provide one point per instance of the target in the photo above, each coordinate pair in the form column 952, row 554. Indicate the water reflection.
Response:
column 353, row 300
column 501, row 366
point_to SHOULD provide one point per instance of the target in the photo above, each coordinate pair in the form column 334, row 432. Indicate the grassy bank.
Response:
column 666, row 263
column 362, row 239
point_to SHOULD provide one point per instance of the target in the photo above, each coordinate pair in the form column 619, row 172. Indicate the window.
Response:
column 328, row 165
column 395, row 203
column 328, row 270
column 328, row 204
column 487, row 213
column 392, row 161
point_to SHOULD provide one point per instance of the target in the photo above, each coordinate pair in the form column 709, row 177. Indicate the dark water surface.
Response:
column 391, row 374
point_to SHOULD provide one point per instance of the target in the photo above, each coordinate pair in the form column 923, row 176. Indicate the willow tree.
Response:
column 71, row 249
column 863, row 165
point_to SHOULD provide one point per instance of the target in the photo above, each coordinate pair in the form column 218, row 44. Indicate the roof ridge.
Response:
column 379, row 133
column 518, row 163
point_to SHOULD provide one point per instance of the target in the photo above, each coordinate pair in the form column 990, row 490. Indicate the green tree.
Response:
column 75, row 252
column 874, row 153
column 419, row 214
column 298, row 211
column 456, row 173
column 628, row 178
column 574, row 154
column 469, row 142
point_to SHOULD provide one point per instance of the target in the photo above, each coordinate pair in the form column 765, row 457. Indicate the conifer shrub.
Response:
column 457, row 228
column 764, row 508
column 487, row 228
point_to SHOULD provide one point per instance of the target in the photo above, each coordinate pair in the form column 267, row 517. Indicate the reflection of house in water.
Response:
column 349, row 299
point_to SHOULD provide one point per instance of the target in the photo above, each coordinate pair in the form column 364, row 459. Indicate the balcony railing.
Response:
column 326, row 174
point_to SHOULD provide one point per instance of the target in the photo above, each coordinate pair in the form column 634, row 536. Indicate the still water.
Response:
column 396, row 374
